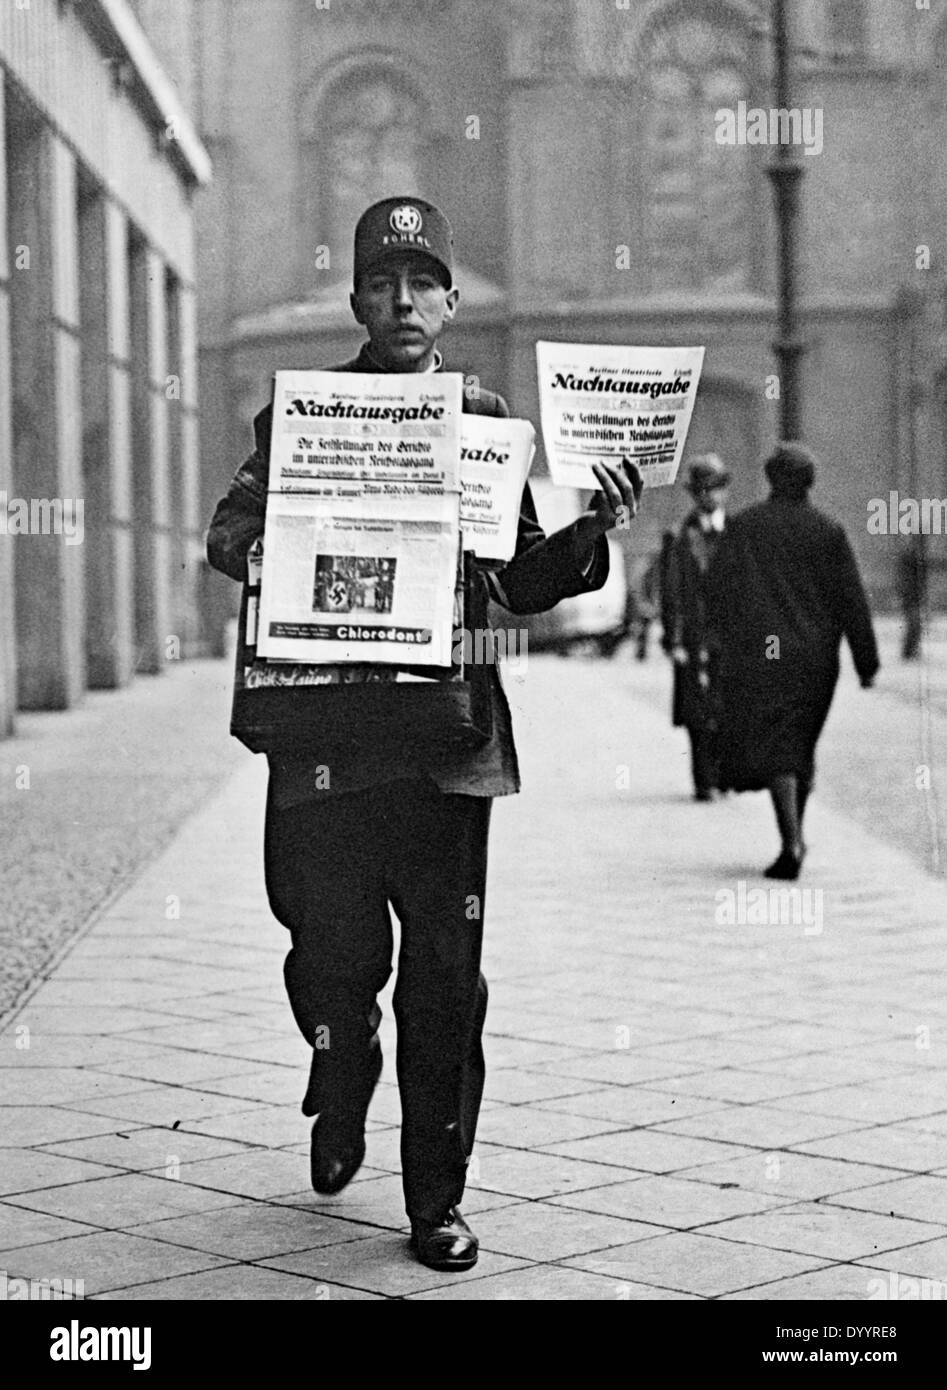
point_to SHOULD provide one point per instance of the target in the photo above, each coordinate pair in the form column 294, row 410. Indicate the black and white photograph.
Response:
column 361, row 584
column 612, row 972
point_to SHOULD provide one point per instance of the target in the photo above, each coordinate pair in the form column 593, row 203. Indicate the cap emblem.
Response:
column 405, row 219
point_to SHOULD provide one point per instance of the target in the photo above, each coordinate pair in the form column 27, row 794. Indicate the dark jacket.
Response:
column 696, row 698
column 542, row 572
column 783, row 590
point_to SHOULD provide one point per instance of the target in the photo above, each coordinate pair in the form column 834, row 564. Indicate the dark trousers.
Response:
column 332, row 868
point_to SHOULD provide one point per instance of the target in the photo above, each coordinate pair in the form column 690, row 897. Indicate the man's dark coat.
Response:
column 695, row 705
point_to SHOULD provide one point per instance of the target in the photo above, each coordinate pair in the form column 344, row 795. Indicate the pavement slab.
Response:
column 528, row 1127
column 21, row 1227
column 832, row 1232
column 377, row 1199
column 106, row 1260
column 541, row 1231
column 835, row 1284
column 117, row 1202
column 925, row 1259
column 175, row 1068
column 630, row 1107
column 904, row 1146
column 25, row 1170
column 144, row 1149
column 239, row 1281
column 670, row 1201
column 923, row 1198
column 252, row 1173
column 32, row 1125
column 383, row 1264
column 647, row 1150
column 781, row 1172
column 159, row 1105
column 537, row 1283
column 761, row 1126
column 254, row 1231
column 929, row 1124
column 271, row 1126
column 522, row 1173
column 696, row 1264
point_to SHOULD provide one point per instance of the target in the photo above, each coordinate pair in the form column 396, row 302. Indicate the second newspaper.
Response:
column 362, row 531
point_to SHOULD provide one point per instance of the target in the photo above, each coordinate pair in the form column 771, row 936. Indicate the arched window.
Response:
column 697, row 195
column 368, row 143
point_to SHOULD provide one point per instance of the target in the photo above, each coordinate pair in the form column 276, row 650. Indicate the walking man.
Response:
column 409, row 831
column 696, row 700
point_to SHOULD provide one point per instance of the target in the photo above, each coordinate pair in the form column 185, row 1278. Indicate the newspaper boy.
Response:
column 409, row 830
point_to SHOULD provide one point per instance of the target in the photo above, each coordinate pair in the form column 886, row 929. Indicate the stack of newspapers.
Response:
column 377, row 484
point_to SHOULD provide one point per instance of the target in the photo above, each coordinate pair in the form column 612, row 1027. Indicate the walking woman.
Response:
column 783, row 590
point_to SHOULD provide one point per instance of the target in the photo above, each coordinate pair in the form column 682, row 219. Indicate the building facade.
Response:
column 576, row 146
column 102, row 516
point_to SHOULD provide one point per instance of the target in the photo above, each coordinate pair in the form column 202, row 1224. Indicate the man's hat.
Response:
column 403, row 224
column 792, row 464
column 707, row 471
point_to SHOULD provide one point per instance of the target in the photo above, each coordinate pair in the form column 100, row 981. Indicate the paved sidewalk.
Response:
column 683, row 1101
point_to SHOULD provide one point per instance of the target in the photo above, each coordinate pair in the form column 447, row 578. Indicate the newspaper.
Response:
column 495, row 458
column 598, row 403
column 254, row 575
column 394, row 434
column 362, row 529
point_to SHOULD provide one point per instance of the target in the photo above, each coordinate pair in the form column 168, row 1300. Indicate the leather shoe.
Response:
column 337, row 1148
column 448, row 1244
column 336, row 1153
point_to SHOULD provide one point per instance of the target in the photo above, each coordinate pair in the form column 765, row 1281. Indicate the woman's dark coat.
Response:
column 783, row 590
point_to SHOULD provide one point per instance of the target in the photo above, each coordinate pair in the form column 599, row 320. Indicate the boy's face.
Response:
column 405, row 306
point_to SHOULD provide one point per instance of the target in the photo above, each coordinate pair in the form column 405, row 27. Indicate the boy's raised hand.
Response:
column 615, row 504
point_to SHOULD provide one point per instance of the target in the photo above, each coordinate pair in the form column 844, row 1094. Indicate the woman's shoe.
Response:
column 787, row 866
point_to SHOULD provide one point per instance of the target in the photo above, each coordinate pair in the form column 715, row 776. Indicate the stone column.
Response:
column 192, row 521
column 150, row 457
column 7, row 629
column 47, row 423
column 103, row 243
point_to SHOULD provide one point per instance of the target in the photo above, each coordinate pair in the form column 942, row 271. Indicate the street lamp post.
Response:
column 786, row 172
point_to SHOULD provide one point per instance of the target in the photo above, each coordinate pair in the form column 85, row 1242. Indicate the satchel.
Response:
column 452, row 712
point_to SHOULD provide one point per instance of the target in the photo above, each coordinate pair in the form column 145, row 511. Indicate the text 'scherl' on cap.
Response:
column 396, row 225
